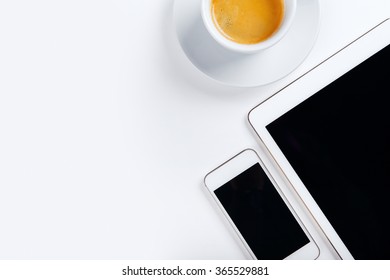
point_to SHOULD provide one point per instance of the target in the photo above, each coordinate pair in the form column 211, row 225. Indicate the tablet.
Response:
column 328, row 132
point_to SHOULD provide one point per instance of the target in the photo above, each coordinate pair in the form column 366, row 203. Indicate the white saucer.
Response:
column 246, row 70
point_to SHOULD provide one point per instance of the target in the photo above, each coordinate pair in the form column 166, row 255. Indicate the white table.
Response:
column 107, row 129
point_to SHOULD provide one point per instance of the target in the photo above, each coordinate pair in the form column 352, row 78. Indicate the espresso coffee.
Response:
column 247, row 21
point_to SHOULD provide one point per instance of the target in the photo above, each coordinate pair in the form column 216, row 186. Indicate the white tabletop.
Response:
column 107, row 129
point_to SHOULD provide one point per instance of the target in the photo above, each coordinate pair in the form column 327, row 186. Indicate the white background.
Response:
column 107, row 129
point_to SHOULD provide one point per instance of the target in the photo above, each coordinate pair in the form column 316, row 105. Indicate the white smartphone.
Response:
column 262, row 217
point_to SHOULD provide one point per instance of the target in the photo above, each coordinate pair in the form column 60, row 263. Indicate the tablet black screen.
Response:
column 338, row 143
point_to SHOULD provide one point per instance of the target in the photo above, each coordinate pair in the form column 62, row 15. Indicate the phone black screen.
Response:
column 261, row 215
column 338, row 143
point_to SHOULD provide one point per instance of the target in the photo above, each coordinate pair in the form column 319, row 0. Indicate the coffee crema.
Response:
column 247, row 21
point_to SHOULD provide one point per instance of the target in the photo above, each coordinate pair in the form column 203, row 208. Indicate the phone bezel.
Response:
column 235, row 166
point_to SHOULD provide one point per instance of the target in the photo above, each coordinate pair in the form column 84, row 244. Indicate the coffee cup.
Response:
column 248, row 26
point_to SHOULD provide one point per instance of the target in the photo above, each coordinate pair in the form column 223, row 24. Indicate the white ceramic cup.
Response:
column 289, row 13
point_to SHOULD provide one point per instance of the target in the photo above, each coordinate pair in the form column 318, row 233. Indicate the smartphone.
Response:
column 258, row 211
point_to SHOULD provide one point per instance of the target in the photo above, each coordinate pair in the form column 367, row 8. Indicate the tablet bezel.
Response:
column 302, row 88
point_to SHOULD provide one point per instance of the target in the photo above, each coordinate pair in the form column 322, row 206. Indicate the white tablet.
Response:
column 328, row 132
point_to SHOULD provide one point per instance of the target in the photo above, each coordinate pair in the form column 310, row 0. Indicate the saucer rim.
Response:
column 195, row 63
